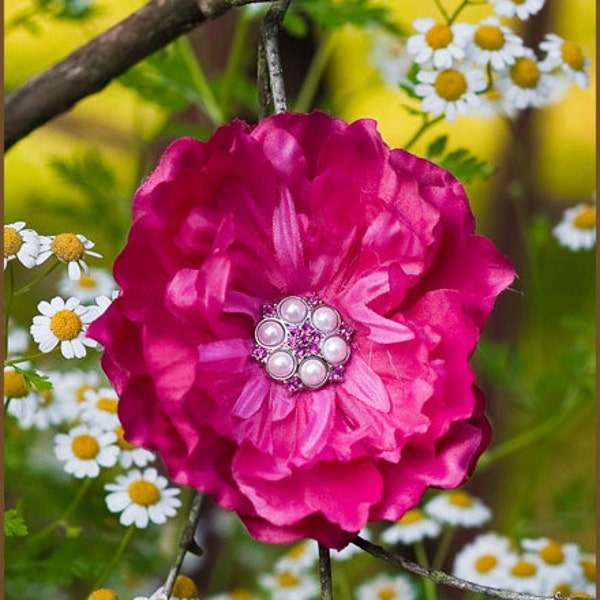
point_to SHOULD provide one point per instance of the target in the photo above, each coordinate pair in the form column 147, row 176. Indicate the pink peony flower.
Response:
column 298, row 307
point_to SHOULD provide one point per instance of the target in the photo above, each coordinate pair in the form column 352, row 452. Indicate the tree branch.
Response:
column 445, row 579
column 91, row 67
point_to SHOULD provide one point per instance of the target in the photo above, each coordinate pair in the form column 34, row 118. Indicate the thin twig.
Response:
column 270, row 29
column 325, row 573
column 91, row 67
column 445, row 579
column 185, row 543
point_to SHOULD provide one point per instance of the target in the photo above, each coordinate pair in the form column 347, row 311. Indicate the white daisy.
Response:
column 94, row 283
column 458, row 507
column 413, row 527
column 65, row 323
column 388, row 55
column 439, row 43
column 142, row 498
column 50, row 408
column 523, row 9
column 577, row 230
column 350, row 550
column 285, row 585
column 100, row 408
column 131, row 455
column 71, row 389
column 299, row 558
column 183, row 589
column 524, row 573
column 566, row 56
column 494, row 44
column 236, row 594
column 22, row 403
column 69, row 248
column 485, row 560
column 526, row 83
column 587, row 582
column 101, row 303
column 492, row 104
column 450, row 91
column 85, row 449
column 18, row 340
column 386, row 587
column 21, row 244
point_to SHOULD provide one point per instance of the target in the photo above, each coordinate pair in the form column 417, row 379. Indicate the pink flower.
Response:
column 312, row 208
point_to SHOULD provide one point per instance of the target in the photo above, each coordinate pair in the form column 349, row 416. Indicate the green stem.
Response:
column 20, row 359
column 442, row 10
column 234, row 62
column 422, row 558
column 40, row 535
column 7, row 303
column 115, row 559
column 458, row 11
column 205, row 93
column 424, row 127
column 443, row 547
column 315, row 73
column 35, row 281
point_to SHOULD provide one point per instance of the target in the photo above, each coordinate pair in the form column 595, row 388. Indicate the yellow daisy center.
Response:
column 519, row 1
column 47, row 397
column 450, row 84
column 297, row 551
column 103, row 594
column 240, row 595
column 109, row 405
column 68, row 247
column 414, row 515
column 489, row 37
column 286, row 579
column 523, row 568
column 14, row 385
column 552, row 554
column 386, row 593
column 525, row 72
column 586, row 219
column 85, row 446
column 581, row 594
column 485, row 563
column 12, row 241
column 121, row 441
column 460, row 498
column 85, row 281
column 439, row 36
column 589, row 570
column 573, row 55
column 65, row 325
column 493, row 95
column 81, row 390
column 562, row 588
column 184, row 587
column 143, row 492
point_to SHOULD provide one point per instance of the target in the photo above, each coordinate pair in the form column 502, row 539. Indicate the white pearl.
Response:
column 270, row 333
column 280, row 365
column 335, row 350
column 312, row 372
column 293, row 309
column 325, row 319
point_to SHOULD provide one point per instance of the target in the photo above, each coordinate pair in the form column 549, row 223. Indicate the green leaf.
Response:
column 437, row 146
column 35, row 380
column 14, row 524
column 295, row 24
column 331, row 14
column 465, row 166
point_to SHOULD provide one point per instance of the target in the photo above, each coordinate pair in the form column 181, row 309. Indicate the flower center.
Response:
column 460, row 498
column 108, row 405
column 103, row 594
column 85, row 281
column 47, row 397
column 81, row 390
column 85, row 446
column 143, row 492
column 450, row 85
column 240, row 595
column 489, row 37
column 562, row 588
column 386, row 593
column 297, row 551
column 65, row 325
column 519, row 1
column 14, row 385
column 586, row 219
column 525, row 72
column 552, row 554
column 493, row 95
column 485, row 563
column 523, row 568
column 573, row 55
column 286, row 579
column 589, row 570
column 68, row 247
column 12, row 241
column 439, row 36
column 184, row 587
column 302, row 342
column 121, row 441
column 412, row 516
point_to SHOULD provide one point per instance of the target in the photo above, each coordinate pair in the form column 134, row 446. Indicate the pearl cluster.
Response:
column 302, row 342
